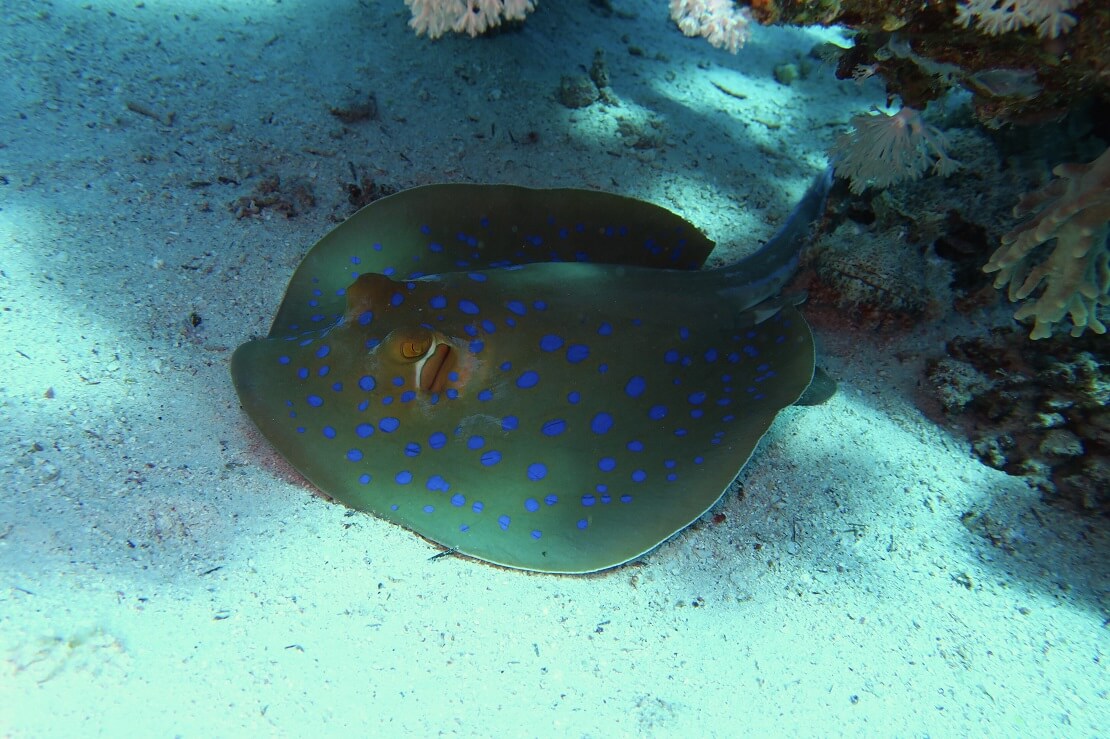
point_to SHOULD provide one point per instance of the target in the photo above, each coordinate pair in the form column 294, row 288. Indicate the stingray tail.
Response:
column 765, row 272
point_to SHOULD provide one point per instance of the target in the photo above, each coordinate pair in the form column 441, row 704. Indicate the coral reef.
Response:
column 1022, row 60
column 1041, row 414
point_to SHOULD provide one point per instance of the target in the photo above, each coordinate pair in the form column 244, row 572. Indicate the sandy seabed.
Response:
column 166, row 573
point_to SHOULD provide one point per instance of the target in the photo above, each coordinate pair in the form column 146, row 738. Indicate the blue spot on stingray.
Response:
column 302, row 373
column 505, row 366
column 588, row 500
column 365, row 318
column 398, row 381
column 323, row 371
column 750, row 350
column 635, row 446
column 551, row 343
column 491, row 457
column 356, row 260
column 657, row 412
column 389, row 424
column 503, row 522
column 412, row 449
column 478, row 506
column 573, row 397
column 396, row 299
column 283, row 360
column 537, row 471
column 315, row 401
column 531, row 505
column 697, row 413
column 509, row 423
column 696, row 398
column 470, row 330
column 363, row 479
column 626, row 498
column 551, row 499
column 435, row 247
column 429, row 509
column 528, row 379
column 452, row 393
column 337, row 387
column 605, row 329
column 635, row 387
column 458, row 500
column 477, row 346
column 669, row 463
column 438, row 302
column 554, row 427
column 407, row 396
column 403, row 478
column 733, row 358
column 639, row 476
column 387, row 400
column 488, row 326
column 536, row 533
column 323, row 351
column 477, row 276
column 516, row 307
column 475, row 442
column 577, row 352
column 468, row 307
column 601, row 423
column 583, row 523
column 672, row 356
column 363, row 430
column 328, row 432
column 485, row 395
column 683, row 333
column 437, row 484
column 606, row 464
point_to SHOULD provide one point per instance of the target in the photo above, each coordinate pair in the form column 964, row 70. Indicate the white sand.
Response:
column 165, row 573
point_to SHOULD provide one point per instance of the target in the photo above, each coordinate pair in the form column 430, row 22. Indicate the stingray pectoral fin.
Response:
column 821, row 388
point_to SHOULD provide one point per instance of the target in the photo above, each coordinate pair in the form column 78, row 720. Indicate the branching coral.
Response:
column 437, row 17
column 884, row 149
column 1073, row 209
column 721, row 22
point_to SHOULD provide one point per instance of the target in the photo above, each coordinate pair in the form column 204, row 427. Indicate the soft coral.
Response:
column 1073, row 209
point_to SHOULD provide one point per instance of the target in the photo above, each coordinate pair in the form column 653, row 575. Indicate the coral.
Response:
column 1044, row 67
column 436, row 17
column 1073, row 210
column 1041, row 412
column 885, row 149
column 721, row 22
column 1003, row 16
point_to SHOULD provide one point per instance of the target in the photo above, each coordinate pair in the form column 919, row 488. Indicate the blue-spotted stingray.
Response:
column 543, row 379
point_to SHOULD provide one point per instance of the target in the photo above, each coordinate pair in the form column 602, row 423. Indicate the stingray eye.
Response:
column 415, row 348
column 409, row 344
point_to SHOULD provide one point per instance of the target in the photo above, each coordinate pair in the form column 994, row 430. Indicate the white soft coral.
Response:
column 720, row 22
column 437, row 17
column 1051, row 17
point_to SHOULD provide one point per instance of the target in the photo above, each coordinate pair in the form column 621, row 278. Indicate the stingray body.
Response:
column 543, row 379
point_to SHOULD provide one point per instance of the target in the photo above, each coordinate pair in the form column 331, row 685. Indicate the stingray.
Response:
column 544, row 379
